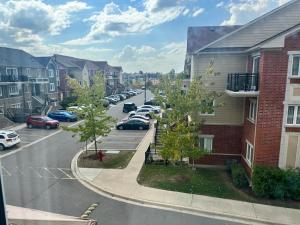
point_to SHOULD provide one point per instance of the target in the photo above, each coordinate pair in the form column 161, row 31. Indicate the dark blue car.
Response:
column 63, row 116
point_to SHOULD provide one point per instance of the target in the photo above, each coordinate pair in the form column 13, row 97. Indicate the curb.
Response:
column 183, row 209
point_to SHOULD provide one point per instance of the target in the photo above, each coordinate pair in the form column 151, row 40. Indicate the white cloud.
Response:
column 148, row 59
column 113, row 21
column 243, row 11
column 198, row 12
column 185, row 12
column 27, row 20
column 220, row 4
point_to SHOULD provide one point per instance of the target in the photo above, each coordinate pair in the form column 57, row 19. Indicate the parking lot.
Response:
column 29, row 136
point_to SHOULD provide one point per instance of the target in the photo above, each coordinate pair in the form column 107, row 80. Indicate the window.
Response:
column 0, row 91
column 255, row 64
column 51, row 73
column 57, row 73
column 1, row 110
column 29, row 104
column 296, row 65
column 206, row 142
column 57, row 83
column 11, row 71
column 252, row 110
column 208, row 107
column 249, row 153
column 52, row 87
column 293, row 116
column 16, row 106
column 27, row 71
column 13, row 90
column 2, row 137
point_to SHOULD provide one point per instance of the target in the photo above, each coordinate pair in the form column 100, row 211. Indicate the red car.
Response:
column 41, row 121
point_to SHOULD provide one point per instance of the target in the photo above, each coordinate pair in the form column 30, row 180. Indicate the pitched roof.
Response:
column 43, row 60
column 198, row 37
column 260, row 29
column 18, row 58
column 69, row 62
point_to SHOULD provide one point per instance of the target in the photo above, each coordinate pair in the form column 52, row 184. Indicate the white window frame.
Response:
column 57, row 83
column 12, row 68
column 292, row 64
column 296, row 109
column 0, row 91
column 27, row 71
column 14, row 92
column 208, row 145
column 253, row 60
column 16, row 106
column 249, row 153
column 52, row 86
column 1, row 110
column 29, row 103
column 57, row 72
column 252, row 113
column 209, row 114
column 51, row 73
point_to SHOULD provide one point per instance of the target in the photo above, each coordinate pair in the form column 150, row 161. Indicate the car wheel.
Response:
column 141, row 128
column 121, row 128
column 29, row 125
column 48, row 127
column 68, row 120
column 148, row 115
column 1, row 147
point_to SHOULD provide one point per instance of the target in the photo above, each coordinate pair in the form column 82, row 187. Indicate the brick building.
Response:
column 256, row 67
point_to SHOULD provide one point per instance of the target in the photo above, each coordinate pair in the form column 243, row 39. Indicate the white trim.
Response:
column 253, row 60
column 248, row 158
column 209, row 114
column 1, row 109
column 0, row 91
column 14, row 92
column 252, row 114
column 206, row 142
column 51, row 72
column 293, row 53
column 52, row 86
column 296, row 109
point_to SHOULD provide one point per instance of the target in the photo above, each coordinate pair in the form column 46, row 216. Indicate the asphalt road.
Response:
column 39, row 177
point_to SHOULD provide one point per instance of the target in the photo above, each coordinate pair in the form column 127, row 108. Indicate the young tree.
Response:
column 91, row 109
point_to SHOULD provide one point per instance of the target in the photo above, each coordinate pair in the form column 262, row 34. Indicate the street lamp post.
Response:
column 145, row 87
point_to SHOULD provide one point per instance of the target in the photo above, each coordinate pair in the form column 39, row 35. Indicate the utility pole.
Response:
column 145, row 87
column 3, row 218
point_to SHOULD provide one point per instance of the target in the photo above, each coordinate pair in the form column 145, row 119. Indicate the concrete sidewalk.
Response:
column 122, row 184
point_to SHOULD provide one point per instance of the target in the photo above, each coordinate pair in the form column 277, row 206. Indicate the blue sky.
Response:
column 148, row 35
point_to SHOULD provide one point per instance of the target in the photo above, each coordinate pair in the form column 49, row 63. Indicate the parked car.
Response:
column 151, row 102
column 41, row 121
column 143, row 112
column 122, row 97
column 63, row 116
column 8, row 139
column 133, row 124
column 133, row 93
column 116, row 97
column 128, row 107
column 155, row 109
column 111, row 100
column 136, row 117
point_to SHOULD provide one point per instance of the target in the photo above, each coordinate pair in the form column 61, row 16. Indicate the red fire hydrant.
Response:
column 101, row 155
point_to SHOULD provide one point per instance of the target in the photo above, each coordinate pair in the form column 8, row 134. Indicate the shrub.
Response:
column 239, row 176
column 273, row 182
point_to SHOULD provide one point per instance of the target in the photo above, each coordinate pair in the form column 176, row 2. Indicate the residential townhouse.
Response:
column 23, row 84
column 256, row 67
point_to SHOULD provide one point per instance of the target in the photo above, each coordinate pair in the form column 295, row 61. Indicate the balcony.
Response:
column 243, row 84
column 39, row 80
column 13, row 78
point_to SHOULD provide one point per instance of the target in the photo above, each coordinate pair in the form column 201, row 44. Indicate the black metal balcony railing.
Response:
column 243, row 82
column 13, row 78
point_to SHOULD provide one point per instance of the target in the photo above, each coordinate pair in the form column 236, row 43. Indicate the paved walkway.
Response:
column 122, row 183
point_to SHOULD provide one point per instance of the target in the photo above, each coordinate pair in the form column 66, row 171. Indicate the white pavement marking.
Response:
column 20, row 171
column 50, row 172
column 6, row 171
column 35, row 142
column 67, row 175
column 90, row 173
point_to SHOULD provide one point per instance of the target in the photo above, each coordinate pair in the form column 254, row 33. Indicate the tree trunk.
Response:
column 95, row 142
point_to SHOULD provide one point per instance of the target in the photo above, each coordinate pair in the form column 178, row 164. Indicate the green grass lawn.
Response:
column 110, row 161
column 203, row 181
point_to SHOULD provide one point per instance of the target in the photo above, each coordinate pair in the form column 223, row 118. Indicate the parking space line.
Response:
column 64, row 173
column 6, row 171
column 50, row 172
column 20, row 171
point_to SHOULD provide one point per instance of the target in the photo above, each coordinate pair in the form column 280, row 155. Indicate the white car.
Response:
column 143, row 112
column 8, row 139
column 155, row 109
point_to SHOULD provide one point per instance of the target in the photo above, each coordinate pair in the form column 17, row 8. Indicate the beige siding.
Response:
column 231, row 111
column 291, row 151
column 264, row 28
column 296, row 91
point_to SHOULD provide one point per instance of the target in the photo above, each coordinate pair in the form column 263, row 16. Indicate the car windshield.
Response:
column 149, row 112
